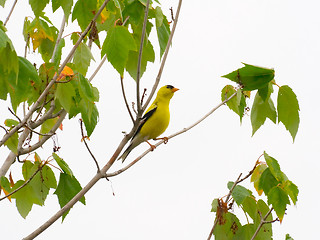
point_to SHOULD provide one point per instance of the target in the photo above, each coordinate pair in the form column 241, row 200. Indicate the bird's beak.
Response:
column 174, row 89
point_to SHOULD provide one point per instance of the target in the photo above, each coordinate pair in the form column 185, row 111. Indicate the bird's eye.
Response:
column 170, row 86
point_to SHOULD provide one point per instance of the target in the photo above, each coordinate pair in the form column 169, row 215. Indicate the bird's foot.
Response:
column 165, row 139
column 153, row 147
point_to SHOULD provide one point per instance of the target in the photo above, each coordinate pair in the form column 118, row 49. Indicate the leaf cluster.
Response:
column 38, row 179
column 251, row 78
column 267, row 178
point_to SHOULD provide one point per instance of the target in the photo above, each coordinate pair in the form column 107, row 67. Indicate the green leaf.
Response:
column 21, row 90
column 159, row 16
column 46, row 49
column 65, row 93
column 85, row 89
column 275, row 168
column 38, row 6
column 239, row 192
column 288, row 110
column 24, row 198
column 2, row 2
column 267, row 181
column 9, row 65
column 11, row 122
column 279, row 200
column 12, row 143
column 237, row 103
column 83, row 12
column 265, row 92
column 288, row 237
column 62, row 164
column 292, row 190
column 230, row 229
column 249, row 205
column 5, row 184
column 255, row 177
column 47, row 126
column 251, row 77
column 89, row 114
column 57, row 55
column 261, row 110
column 117, row 45
column 214, row 205
column 66, row 5
column 67, row 188
column 82, row 58
column 163, row 32
column 147, row 56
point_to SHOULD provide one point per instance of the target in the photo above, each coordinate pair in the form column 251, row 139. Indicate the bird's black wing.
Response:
column 145, row 117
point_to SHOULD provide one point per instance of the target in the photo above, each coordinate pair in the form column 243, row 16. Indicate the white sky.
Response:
column 168, row 194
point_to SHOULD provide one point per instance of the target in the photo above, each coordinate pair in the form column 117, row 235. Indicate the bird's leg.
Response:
column 153, row 147
column 165, row 139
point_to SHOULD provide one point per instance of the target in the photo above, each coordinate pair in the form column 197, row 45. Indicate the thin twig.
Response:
column 9, row 15
column 85, row 143
column 143, row 95
column 125, row 21
column 125, row 98
column 98, row 68
column 140, row 56
column 12, row 112
column 4, row 128
column 250, row 173
column 262, row 221
column 164, row 58
column 23, row 185
column 40, row 134
column 22, row 151
column 63, row 23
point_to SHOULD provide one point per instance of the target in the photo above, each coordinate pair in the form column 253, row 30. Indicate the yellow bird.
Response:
column 154, row 122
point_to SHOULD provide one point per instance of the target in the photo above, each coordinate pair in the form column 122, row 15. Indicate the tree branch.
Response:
column 9, row 15
column 263, row 221
column 98, row 68
column 63, row 23
column 85, row 143
column 125, row 99
column 164, row 58
column 140, row 56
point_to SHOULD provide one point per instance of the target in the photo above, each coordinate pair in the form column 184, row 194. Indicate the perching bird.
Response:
column 154, row 122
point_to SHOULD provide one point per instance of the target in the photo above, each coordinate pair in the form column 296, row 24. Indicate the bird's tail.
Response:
column 126, row 153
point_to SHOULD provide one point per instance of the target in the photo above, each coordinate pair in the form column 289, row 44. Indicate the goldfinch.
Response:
column 154, row 122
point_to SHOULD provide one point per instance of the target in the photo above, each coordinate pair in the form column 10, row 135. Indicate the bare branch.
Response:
column 63, row 23
column 23, row 185
column 140, row 56
column 85, row 143
column 125, row 99
column 263, row 221
column 22, row 151
column 98, row 68
column 12, row 112
column 9, row 15
column 164, row 58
